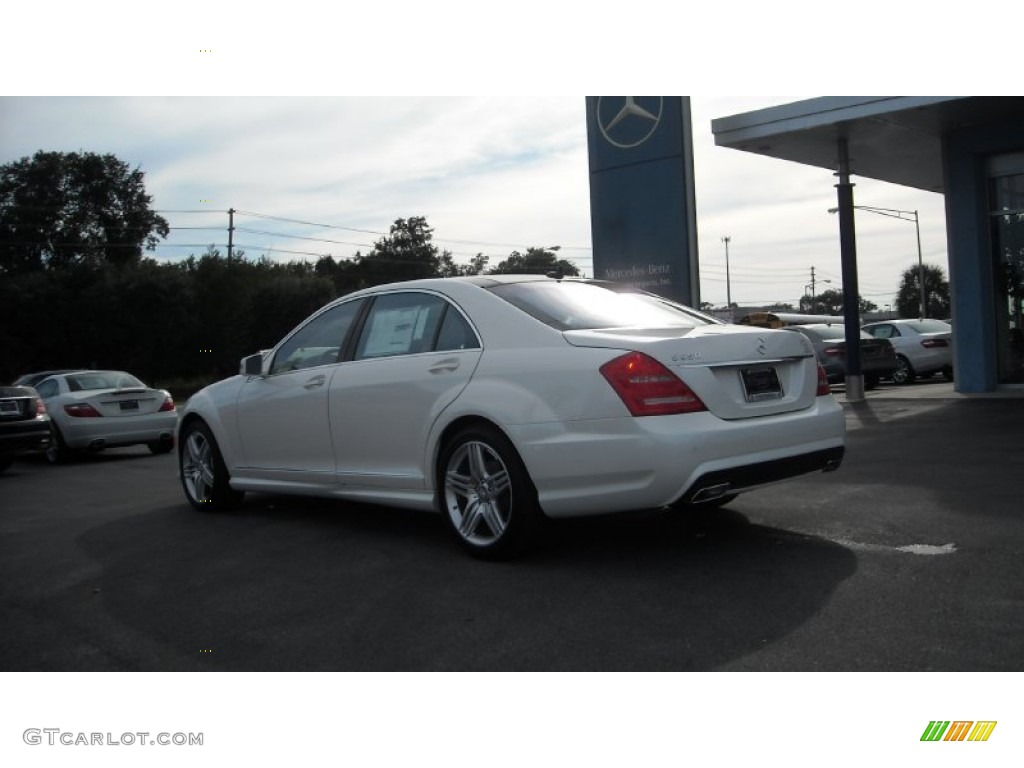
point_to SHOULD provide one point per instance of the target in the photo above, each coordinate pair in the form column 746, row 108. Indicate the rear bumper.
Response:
column 24, row 437
column 615, row 465
column 836, row 371
column 111, row 432
column 737, row 479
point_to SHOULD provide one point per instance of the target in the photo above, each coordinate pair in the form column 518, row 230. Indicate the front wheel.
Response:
column 204, row 476
column 486, row 494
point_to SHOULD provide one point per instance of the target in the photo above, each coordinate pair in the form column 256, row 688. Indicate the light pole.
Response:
column 895, row 213
column 728, row 287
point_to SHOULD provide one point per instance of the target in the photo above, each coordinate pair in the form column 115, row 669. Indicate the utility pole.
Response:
column 728, row 287
column 920, row 267
column 813, row 291
column 231, row 231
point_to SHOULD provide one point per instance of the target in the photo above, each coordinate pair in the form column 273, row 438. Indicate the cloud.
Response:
column 500, row 172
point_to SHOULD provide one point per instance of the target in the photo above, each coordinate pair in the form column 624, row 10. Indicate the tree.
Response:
column 476, row 265
column 936, row 291
column 536, row 261
column 830, row 302
column 407, row 253
column 63, row 208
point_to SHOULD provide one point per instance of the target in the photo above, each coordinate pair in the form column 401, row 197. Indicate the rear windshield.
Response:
column 825, row 333
column 79, row 382
column 572, row 306
column 929, row 326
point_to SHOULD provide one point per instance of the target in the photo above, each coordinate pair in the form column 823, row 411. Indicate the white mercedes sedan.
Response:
column 500, row 400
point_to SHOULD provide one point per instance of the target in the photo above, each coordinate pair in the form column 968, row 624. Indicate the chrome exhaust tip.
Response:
column 710, row 493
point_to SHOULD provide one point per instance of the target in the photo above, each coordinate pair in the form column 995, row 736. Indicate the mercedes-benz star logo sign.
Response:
column 628, row 121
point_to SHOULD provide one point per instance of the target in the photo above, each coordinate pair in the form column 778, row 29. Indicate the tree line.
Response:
column 78, row 290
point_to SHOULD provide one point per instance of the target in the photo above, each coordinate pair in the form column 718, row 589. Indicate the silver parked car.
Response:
column 923, row 347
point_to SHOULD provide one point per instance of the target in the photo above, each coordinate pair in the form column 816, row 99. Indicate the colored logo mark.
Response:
column 958, row 730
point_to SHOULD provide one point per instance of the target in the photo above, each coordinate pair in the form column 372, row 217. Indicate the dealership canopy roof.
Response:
column 890, row 138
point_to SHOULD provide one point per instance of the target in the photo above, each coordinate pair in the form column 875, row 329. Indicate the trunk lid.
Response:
column 122, row 402
column 737, row 372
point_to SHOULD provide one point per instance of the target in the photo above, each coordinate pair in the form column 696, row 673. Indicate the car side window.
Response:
column 48, row 388
column 318, row 342
column 883, row 331
column 455, row 333
column 400, row 324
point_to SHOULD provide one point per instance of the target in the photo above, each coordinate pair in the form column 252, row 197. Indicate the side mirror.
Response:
column 252, row 365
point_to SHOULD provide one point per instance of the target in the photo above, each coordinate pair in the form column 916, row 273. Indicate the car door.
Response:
column 282, row 416
column 415, row 354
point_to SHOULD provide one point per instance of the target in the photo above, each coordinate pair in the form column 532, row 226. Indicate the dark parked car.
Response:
column 877, row 357
column 24, row 424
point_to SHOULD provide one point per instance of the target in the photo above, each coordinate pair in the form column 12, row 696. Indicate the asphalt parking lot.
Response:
column 907, row 558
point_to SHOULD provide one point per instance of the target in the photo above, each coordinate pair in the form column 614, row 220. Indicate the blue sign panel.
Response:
column 642, row 208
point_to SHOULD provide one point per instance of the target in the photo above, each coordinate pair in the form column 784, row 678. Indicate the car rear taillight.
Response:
column 167, row 405
column 832, row 351
column 81, row 410
column 40, row 408
column 648, row 388
column 823, row 385
column 932, row 343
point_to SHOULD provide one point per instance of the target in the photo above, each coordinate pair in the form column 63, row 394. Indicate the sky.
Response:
column 491, row 174
column 485, row 138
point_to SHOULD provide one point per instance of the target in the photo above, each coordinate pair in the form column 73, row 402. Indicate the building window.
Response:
column 1006, row 216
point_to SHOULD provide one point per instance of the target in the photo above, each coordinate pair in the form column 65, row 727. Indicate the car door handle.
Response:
column 445, row 366
column 316, row 381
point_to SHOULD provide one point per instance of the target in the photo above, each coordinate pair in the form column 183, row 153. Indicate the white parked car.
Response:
column 923, row 347
column 500, row 400
column 105, row 409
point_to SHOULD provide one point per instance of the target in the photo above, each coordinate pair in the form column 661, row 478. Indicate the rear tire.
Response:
column 486, row 495
column 160, row 446
column 57, row 452
column 204, row 476
column 904, row 373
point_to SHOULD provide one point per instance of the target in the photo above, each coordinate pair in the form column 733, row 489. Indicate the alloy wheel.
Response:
column 478, row 493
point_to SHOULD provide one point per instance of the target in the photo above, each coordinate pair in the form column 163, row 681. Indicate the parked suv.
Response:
column 923, row 347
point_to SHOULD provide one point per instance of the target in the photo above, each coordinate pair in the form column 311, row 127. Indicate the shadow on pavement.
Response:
column 292, row 584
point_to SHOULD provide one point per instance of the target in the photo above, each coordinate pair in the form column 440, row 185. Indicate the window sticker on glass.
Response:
column 393, row 331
